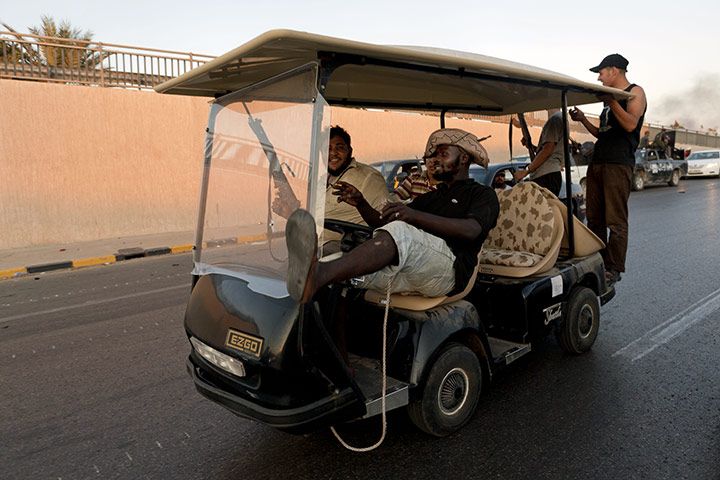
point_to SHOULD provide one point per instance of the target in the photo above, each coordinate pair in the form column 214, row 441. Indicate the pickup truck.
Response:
column 652, row 166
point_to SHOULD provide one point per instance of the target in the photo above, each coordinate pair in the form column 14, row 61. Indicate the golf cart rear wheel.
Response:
column 450, row 394
column 638, row 182
column 580, row 329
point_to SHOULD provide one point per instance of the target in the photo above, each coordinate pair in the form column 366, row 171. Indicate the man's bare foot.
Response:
column 301, row 240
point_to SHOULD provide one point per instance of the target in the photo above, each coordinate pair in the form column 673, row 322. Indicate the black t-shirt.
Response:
column 614, row 143
column 463, row 199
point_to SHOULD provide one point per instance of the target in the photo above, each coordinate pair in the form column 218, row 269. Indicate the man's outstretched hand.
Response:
column 284, row 205
column 577, row 115
column 347, row 193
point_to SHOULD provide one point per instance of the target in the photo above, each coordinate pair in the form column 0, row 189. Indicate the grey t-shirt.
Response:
column 551, row 132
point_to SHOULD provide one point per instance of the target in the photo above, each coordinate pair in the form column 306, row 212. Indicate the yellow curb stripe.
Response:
column 252, row 238
column 94, row 261
column 12, row 271
column 181, row 248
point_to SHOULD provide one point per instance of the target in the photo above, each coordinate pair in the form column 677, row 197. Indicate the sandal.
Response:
column 301, row 240
column 612, row 277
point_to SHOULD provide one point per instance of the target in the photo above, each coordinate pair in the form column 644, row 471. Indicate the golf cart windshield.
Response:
column 262, row 161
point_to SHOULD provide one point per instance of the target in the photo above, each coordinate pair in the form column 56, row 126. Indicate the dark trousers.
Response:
column 608, row 189
column 551, row 181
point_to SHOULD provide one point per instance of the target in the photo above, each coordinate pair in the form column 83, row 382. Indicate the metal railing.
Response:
column 25, row 56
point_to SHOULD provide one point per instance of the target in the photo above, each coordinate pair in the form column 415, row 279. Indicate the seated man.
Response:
column 429, row 246
column 343, row 167
column 417, row 184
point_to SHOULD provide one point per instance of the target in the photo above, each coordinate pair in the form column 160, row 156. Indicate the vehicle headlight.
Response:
column 713, row 164
column 219, row 359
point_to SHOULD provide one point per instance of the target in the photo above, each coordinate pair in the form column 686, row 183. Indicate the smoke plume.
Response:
column 695, row 108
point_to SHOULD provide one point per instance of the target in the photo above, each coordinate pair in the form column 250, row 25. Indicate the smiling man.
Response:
column 343, row 167
column 429, row 246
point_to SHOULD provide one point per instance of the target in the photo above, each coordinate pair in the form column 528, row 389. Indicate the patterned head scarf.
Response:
column 460, row 138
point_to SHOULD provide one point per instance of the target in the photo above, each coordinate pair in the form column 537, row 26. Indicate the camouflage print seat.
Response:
column 528, row 234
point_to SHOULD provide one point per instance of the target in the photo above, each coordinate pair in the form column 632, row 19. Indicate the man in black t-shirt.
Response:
column 429, row 246
column 609, row 173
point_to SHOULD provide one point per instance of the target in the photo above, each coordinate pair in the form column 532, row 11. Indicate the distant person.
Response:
column 417, row 184
column 548, row 162
column 609, row 174
column 499, row 181
column 644, row 140
column 662, row 142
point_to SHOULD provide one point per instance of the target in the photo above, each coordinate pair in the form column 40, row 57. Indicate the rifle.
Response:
column 288, row 202
column 526, row 136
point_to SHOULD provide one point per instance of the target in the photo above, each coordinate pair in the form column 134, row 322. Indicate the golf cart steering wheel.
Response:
column 353, row 233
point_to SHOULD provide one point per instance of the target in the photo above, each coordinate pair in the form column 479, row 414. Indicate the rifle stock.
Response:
column 526, row 135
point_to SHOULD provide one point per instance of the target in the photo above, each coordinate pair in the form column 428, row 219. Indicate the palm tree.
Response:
column 16, row 52
column 68, row 53
column 65, row 57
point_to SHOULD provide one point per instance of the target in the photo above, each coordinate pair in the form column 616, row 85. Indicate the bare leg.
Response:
column 306, row 275
column 378, row 252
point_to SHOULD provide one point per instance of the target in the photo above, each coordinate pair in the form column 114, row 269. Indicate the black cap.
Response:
column 614, row 60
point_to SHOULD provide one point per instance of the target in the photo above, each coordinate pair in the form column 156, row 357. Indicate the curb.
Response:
column 121, row 255
column 128, row 254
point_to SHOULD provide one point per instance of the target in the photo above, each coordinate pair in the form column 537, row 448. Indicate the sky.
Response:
column 672, row 46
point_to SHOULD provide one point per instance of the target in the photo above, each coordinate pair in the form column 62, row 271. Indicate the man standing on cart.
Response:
column 609, row 174
column 429, row 246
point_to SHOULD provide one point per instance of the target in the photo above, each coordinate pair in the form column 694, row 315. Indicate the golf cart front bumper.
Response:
column 339, row 407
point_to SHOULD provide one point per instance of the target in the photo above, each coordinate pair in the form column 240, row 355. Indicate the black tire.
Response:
column 450, row 393
column 638, row 182
column 675, row 179
column 580, row 329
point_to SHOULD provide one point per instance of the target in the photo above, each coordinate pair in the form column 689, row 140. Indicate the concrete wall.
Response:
column 83, row 163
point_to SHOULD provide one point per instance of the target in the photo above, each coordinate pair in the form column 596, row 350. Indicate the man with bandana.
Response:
column 429, row 246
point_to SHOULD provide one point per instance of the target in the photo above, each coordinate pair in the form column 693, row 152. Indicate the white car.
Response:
column 705, row 163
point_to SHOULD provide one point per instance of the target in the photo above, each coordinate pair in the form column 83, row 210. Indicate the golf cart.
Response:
column 263, row 356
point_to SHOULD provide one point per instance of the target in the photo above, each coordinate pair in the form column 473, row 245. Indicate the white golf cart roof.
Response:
column 366, row 75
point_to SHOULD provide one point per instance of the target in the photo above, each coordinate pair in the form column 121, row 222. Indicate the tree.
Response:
column 65, row 57
column 70, row 51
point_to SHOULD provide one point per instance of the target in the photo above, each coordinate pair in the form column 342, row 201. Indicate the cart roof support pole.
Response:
column 568, row 175
column 202, row 201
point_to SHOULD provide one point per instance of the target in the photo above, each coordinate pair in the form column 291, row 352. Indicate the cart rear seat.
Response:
column 527, row 240
column 528, row 234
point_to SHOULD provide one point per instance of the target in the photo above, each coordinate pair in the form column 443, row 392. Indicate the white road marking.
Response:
column 91, row 303
column 128, row 455
column 32, row 300
column 671, row 328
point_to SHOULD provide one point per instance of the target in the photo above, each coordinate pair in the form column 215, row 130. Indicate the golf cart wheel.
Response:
column 450, row 394
column 638, row 182
column 675, row 179
column 580, row 329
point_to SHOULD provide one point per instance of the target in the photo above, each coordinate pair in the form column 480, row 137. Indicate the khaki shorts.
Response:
column 425, row 263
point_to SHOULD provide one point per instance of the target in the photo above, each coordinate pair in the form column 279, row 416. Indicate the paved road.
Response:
column 94, row 385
